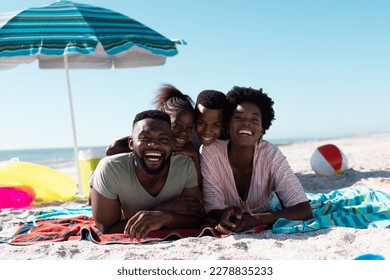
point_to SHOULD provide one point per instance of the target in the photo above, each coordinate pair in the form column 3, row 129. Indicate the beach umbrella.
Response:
column 72, row 35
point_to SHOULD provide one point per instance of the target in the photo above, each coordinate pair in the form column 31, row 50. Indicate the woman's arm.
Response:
column 299, row 212
column 232, row 218
column 119, row 146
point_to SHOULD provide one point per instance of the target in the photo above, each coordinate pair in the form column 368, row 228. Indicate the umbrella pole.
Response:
column 75, row 146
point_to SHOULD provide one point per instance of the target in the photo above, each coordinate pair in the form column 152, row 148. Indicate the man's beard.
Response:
column 141, row 163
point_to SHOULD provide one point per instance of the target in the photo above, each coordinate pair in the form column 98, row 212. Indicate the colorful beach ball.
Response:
column 328, row 160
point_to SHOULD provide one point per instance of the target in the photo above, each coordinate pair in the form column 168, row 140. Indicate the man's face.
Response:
column 152, row 143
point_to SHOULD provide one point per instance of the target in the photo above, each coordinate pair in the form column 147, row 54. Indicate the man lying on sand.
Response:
column 149, row 188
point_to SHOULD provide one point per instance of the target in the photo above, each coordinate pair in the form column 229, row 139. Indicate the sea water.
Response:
column 61, row 159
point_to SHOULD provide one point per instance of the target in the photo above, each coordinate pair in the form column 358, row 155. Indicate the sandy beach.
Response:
column 369, row 166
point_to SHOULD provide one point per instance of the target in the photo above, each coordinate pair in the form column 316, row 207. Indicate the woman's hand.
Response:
column 247, row 221
column 229, row 220
column 233, row 220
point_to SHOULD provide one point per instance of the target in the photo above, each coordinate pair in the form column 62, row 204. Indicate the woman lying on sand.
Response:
column 241, row 174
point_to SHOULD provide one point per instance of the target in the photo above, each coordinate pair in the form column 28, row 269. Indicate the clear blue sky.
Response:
column 326, row 64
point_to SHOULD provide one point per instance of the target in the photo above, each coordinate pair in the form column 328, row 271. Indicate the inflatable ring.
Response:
column 49, row 184
column 16, row 197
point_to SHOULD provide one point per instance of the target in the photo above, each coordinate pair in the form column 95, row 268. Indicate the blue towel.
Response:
column 61, row 213
column 355, row 207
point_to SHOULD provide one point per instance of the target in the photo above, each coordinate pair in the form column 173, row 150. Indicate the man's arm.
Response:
column 172, row 214
column 189, row 203
column 194, row 210
column 107, row 213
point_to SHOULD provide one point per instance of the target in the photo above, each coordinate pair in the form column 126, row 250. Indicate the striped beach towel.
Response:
column 82, row 227
column 356, row 207
column 61, row 212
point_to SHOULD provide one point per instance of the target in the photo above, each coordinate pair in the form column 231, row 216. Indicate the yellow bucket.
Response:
column 88, row 160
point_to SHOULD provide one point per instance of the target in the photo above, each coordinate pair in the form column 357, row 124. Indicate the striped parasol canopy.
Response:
column 72, row 35
column 90, row 36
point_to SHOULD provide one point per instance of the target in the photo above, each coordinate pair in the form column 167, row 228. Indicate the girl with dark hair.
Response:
column 180, row 109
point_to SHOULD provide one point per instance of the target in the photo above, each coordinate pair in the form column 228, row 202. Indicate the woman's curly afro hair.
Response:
column 238, row 95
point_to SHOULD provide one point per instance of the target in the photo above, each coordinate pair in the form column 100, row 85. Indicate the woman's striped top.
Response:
column 271, row 174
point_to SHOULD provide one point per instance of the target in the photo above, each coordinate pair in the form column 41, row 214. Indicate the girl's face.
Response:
column 182, row 123
column 245, row 127
column 209, row 124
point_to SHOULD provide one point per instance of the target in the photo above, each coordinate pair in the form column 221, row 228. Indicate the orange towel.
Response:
column 83, row 227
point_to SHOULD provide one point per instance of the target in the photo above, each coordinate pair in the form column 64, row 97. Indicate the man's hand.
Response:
column 144, row 222
column 185, row 211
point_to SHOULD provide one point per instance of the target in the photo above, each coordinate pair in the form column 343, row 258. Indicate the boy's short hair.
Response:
column 152, row 114
column 212, row 99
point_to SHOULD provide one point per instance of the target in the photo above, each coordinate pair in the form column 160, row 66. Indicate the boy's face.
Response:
column 209, row 124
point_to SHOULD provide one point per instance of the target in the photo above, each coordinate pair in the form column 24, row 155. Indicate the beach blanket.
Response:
column 356, row 207
column 83, row 228
column 61, row 212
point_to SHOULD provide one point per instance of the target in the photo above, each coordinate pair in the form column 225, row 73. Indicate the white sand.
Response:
column 369, row 165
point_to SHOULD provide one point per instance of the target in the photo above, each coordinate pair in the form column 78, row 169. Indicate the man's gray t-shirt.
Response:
column 115, row 178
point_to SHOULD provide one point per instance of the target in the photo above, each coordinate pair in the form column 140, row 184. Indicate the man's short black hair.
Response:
column 152, row 114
